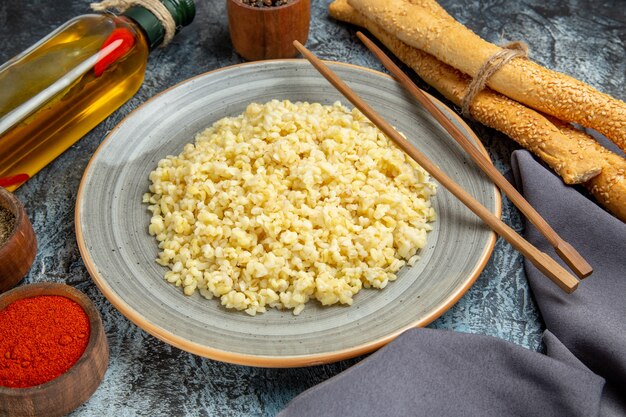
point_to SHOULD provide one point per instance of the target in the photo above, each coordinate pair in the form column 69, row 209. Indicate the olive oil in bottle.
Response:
column 59, row 89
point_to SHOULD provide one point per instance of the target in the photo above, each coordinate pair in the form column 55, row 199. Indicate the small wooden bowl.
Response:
column 66, row 392
column 18, row 252
column 268, row 32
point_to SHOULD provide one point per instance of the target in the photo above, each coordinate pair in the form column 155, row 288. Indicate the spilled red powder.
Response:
column 40, row 339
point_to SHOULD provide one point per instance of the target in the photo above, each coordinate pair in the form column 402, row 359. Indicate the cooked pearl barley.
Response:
column 288, row 202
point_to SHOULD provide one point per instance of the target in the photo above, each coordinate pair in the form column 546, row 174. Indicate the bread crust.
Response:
column 527, row 127
column 423, row 24
column 564, row 152
column 608, row 188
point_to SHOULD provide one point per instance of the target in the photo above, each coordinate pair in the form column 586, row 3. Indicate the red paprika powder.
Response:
column 40, row 338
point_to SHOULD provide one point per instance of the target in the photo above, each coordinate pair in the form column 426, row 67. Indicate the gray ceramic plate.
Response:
column 112, row 224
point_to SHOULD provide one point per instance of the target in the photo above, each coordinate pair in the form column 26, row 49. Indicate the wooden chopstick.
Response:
column 566, row 251
column 543, row 262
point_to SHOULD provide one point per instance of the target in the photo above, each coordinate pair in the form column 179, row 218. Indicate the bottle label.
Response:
column 121, row 40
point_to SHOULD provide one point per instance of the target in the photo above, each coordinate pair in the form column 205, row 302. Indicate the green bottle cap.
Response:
column 183, row 12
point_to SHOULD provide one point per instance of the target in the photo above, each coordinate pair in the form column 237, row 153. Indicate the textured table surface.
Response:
column 147, row 377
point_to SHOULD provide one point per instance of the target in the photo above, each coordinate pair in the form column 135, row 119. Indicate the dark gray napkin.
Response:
column 427, row 372
column 591, row 322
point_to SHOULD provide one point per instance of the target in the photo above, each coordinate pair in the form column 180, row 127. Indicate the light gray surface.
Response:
column 149, row 378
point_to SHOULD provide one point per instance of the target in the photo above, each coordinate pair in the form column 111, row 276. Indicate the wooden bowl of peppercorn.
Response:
column 266, row 29
column 53, row 350
column 18, row 244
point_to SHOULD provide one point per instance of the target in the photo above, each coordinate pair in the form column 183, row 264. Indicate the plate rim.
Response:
column 269, row 361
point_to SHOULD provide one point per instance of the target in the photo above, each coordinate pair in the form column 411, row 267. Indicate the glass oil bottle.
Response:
column 59, row 89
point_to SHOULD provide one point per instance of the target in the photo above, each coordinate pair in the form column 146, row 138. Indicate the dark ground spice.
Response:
column 7, row 222
column 265, row 3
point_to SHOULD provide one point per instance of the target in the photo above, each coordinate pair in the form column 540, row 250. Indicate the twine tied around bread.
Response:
column 155, row 6
column 491, row 66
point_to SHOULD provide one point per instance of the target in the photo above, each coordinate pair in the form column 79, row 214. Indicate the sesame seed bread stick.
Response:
column 609, row 188
column 527, row 127
column 426, row 27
